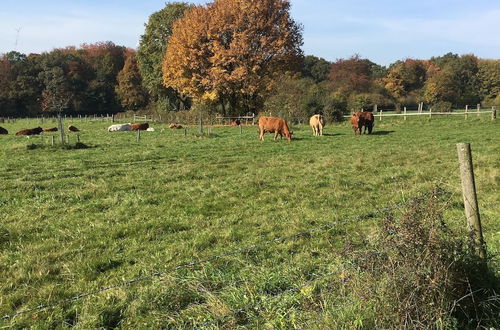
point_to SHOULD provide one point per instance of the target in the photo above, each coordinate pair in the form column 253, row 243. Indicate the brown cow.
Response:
column 31, row 131
column 235, row 122
column 278, row 126
column 3, row 131
column 53, row 129
column 72, row 128
column 368, row 123
column 175, row 126
column 139, row 127
column 357, row 122
column 317, row 123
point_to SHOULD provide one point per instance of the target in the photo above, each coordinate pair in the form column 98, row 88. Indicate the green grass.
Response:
column 74, row 220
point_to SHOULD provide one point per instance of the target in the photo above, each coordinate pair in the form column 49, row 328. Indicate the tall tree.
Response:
column 231, row 51
column 129, row 89
column 152, row 48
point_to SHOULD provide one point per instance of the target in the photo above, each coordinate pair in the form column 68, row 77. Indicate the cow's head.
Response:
column 289, row 136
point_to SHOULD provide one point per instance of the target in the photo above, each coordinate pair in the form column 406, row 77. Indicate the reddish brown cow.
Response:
column 235, row 122
column 278, row 126
column 73, row 128
column 139, row 127
column 3, row 131
column 357, row 122
column 53, row 129
column 31, row 131
column 368, row 123
column 175, row 126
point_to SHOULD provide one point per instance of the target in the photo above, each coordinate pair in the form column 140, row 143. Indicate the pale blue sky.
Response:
column 383, row 31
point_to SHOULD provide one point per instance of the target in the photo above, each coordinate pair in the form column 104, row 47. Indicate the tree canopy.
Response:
column 152, row 48
column 231, row 51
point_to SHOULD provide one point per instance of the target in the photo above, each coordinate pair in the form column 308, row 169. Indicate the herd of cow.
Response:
column 278, row 126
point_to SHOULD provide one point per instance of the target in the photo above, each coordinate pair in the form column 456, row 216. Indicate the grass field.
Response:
column 75, row 220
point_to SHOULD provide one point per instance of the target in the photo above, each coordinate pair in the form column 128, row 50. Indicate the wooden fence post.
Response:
column 478, row 109
column 430, row 113
column 52, row 140
column 185, row 131
column 470, row 198
column 466, row 111
column 493, row 113
column 60, row 127
column 405, row 113
column 380, row 115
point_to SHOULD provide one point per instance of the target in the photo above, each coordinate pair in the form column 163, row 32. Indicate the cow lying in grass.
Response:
column 278, row 126
column 31, row 131
column 3, row 131
column 139, row 127
column 119, row 127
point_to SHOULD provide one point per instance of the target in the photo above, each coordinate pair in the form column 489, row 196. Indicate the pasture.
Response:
column 75, row 220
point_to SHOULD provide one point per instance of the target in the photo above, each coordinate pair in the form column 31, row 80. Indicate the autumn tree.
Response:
column 129, row 90
column 404, row 81
column 151, row 51
column 230, row 52
column 351, row 75
column 454, row 79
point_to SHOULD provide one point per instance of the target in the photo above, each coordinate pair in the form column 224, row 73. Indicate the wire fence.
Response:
column 247, row 249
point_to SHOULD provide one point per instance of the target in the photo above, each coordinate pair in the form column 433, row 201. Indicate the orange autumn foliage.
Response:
column 232, row 50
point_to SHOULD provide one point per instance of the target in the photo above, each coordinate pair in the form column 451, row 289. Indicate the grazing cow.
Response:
column 53, row 129
column 175, row 126
column 119, row 127
column 278, row 126
column 357, row 122
column 368, row 121
column 317, row 123
column 235, row 122
column 3, row 131
column 32, row 131
column 139, row 127
column 72, row 128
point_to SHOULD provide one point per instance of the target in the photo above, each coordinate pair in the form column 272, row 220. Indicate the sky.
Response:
column 383, row 31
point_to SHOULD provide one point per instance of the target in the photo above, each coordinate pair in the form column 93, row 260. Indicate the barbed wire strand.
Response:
column 211, row 259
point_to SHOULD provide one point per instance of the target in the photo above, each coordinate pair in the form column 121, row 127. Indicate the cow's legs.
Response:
column 275, row 136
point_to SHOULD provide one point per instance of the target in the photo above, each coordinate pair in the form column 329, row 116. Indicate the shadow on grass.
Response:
column 334, row 134
column 382, row 132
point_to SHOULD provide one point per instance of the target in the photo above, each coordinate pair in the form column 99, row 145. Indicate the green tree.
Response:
column 315, row 68
column 152, row 48
column 489, row 77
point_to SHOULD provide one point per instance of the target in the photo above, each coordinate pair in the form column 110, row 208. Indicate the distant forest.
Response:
column 105, row 78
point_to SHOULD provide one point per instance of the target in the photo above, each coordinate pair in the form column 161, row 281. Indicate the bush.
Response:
column 441, row 106
column 419, row 274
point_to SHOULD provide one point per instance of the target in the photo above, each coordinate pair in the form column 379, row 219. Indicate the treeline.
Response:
column 445, row 82
column 92, row 79
column 232, row 57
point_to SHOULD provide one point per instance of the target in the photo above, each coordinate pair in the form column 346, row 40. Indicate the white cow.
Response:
column 119, row 127
column 317, row 123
